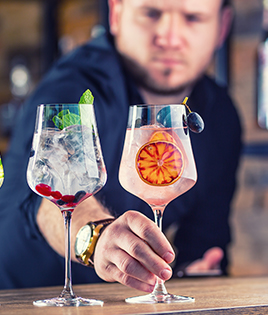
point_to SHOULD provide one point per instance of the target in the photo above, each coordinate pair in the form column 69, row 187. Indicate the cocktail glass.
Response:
column 157, row 166
column 66, row 167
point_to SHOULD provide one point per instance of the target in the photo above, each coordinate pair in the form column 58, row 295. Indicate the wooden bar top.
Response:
column 219, row 295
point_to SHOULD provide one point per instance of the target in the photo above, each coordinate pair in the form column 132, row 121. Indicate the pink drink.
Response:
column 155, row 195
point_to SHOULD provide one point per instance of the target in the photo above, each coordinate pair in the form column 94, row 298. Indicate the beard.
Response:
column 144, row 80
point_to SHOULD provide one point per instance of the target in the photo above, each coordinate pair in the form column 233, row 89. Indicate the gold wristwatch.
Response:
column 86, row 240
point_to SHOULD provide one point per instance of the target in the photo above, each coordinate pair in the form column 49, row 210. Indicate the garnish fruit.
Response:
column 162, row 135
column 195, row 122
column 163, row 116
column 59, row 199
column 43, row 189
column 56, row 194
column 67, row 198
column 79, row 195
column 159, row 162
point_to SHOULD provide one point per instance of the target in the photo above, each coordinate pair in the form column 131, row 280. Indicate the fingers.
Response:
column 147, row 231
column 139, row 252
column 210, row 260
column 127, row 280
column 133, row 251
column 130, row 272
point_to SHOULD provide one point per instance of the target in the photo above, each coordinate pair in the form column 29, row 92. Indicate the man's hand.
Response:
column 133, row 251
column 210, row 261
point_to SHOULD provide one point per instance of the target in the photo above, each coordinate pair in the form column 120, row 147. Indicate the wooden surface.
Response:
column 212, row 296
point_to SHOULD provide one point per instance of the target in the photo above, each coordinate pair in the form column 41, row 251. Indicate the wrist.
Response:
column 86, row 240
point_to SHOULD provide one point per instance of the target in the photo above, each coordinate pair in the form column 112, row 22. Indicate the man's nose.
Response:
column 169, row 32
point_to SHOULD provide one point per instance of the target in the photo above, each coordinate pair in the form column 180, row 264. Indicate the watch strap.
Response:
column 98, row 227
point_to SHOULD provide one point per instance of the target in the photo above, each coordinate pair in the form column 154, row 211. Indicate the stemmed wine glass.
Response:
column 157, row 166
column 66, row 167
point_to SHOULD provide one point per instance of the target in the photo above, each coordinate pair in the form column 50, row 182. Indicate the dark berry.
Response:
column 167, row 121
column 164, row 117
column 195, row 122
column 79, row 195
column 60, row 202
column 43, row 189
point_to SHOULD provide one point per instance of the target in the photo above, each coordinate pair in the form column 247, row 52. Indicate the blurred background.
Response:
column 34, row 33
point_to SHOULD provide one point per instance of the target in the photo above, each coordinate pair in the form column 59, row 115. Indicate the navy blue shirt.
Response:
column 26, row 260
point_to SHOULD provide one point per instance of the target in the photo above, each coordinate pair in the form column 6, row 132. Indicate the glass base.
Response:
column 160, row 298
column 76, row 301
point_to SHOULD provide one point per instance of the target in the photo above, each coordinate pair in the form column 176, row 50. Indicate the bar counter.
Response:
column 213, row 296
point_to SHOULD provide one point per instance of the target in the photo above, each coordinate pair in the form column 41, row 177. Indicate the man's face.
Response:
column 167, row 44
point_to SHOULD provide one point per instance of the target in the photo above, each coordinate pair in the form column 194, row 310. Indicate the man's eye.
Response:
column 192, row 18
column 153, row 14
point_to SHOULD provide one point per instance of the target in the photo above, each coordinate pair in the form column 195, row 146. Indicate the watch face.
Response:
column 82, row 240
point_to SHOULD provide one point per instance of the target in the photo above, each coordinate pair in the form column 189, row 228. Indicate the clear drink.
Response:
column 66, row 166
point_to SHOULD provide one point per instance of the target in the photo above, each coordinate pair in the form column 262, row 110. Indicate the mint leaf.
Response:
column 65, row 119
column 86, row 98
column 71, row 119
column 57, row 121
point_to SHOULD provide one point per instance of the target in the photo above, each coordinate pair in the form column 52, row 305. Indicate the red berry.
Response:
column 68, row 198
column 56, row 194
column 43, row 189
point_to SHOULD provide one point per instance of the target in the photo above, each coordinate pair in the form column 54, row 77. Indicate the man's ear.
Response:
column 115, row 8
column 227, row 15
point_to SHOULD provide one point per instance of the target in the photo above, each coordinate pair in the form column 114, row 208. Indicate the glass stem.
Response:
column 67, row 291
column 158, row 216
column 159, row 288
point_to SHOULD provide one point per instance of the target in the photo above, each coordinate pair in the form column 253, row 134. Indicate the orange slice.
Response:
column 159, row 162
column 162, row 135
column 171, row 136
